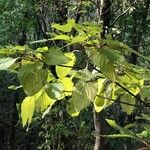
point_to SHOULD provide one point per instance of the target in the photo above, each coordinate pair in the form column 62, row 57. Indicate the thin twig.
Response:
column 116, row 101
column 121, row 86
column 122, row 14
column 139, row 99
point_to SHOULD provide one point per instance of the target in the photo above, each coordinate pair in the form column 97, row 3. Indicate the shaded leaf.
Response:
column 55, row 90
column 128, row 99
column 82, row 95
column 55, row 56
column 32, row 78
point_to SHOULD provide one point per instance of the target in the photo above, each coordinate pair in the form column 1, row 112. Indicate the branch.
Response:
column 116, row 101
column 139, row 99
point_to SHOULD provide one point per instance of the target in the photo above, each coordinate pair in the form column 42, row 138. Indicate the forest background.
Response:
column 91, row 59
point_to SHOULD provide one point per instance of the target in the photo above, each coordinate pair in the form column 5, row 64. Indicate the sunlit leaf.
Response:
column 42, row 49
column 43, row 102
column 5, row 63
column 27, row 110
column 99, row 103
column 79, row 39
column 66, row 27
column 61, row 37
column 63, row 71
column 68, row 86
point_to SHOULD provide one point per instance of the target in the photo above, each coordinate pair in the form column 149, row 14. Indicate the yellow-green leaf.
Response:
column 43, row 102
column 33, row 82
column 66, row 27
column 79, row 39
column 61, row 37
column 99, row 102
column 27, row 109
column 63, row 71
column 68, row 86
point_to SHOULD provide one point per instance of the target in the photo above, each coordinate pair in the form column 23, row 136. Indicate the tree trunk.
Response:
column 99, row 118
column 100, row 128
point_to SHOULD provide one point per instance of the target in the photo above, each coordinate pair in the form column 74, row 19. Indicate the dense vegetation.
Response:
column 74, row 74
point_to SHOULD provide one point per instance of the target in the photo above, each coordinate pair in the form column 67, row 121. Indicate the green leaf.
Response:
column 145, row 92
column 65, row 28
column 128, row 99
column 71, row 110
column 91, row 89
column 27, row 110
column 32, row 78
column 84, row 93
column 90, row 28
column 124, row 48
column 107, row 67
column 100, row 60
column 143, row 117
column 63, row 71
column 111, row 54
column 55, row 90
column 55, row 56
column 5, row 63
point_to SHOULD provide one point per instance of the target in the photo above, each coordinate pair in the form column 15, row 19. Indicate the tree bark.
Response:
column 99, row 118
